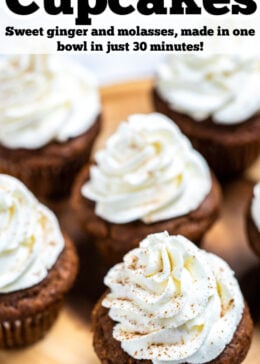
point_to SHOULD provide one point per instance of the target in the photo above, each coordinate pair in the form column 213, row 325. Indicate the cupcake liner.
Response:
column 47, row 180
column 26, row 331
column 226, row 156
column 253, row 233
column 227, row 160
column 50, row 173
column 26, row 315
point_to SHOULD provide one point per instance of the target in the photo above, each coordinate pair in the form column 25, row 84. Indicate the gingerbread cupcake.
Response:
column 170, row 302
column 215, row 100
column 50, row 117
column 147, row 179
column 253, row 220
column 38, row 266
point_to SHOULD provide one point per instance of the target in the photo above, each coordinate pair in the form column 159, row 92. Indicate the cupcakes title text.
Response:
column 87, row 8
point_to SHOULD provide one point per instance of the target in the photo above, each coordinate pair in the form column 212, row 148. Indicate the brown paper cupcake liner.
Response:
column 229, row 150
column 47, row 180
column 49, row 172
column 27, row 314
column 252, row 233
column 227, row 160
column 26, row 331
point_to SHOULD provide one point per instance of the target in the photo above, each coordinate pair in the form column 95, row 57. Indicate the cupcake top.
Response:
column 223, row 87
column 172, row 302
column 255, row 206
column 148, row 171
column 30, row 237
column 44, row 99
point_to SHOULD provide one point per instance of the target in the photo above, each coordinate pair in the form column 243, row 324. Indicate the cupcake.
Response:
column 147, row 179
column 253, row 220
column 170, row 302
column 215, row 100
column 50, row 117
column 38, row 266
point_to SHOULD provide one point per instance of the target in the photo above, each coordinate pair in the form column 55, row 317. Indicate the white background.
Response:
column 112, row 69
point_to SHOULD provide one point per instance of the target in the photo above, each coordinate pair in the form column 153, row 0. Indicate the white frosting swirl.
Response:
column 44, row 99
column 173, row 303
column 224, row 87
column 148, row 171
column 255, row 206
column 30, row 237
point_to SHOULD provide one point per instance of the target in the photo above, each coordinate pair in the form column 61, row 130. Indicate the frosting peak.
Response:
column 255, row 207
column 224, row 87
column 30, row 238
column 148, row 171
column 173, row 303
column 44, row 99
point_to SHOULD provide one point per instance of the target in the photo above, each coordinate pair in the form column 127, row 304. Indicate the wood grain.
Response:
column 69, row 342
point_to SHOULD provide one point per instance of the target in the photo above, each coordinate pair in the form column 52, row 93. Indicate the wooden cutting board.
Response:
column 69, row 341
